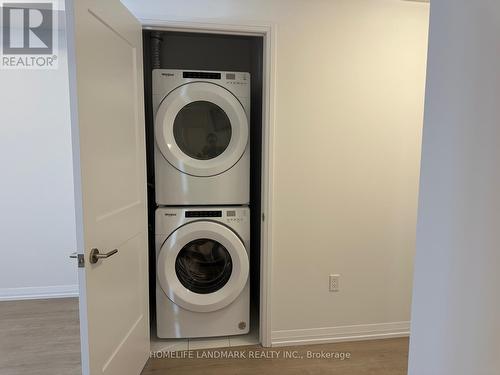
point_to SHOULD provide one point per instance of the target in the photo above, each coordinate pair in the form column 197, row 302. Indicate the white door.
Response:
column 201, row 129
column 105, row 60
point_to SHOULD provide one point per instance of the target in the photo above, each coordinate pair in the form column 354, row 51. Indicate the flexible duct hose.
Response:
column 156, row 40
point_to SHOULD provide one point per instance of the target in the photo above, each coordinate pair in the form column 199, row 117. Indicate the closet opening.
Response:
column 206, row 57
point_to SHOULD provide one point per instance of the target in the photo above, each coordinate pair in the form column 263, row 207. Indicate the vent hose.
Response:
column 156, row 40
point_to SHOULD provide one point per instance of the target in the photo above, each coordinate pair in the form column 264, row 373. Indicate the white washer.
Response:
column 202, row 147
column 202, row 269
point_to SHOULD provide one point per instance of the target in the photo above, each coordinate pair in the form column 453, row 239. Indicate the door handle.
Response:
column 73, row 255
column 95, row 255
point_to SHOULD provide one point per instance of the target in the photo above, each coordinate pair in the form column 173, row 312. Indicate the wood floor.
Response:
column 380, row 357
column 42, row 338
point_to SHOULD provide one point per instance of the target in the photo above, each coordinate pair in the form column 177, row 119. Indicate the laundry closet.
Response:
column 203, row 108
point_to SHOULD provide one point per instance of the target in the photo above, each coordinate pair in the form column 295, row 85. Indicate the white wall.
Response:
column 37, row 222
column 456, row 306
column 349, row 86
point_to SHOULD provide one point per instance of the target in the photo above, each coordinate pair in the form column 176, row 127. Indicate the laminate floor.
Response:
column 378, row 357
column 40, row 337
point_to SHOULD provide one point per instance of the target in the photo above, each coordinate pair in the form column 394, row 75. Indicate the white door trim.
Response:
column 268, row 32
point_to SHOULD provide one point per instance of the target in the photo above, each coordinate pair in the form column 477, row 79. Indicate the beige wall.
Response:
column 456, row 309
column 350, row 86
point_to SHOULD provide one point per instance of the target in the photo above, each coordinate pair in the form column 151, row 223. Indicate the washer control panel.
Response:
column 214, row 213
column 167, row 219
column 235, row 216
column 230, row 215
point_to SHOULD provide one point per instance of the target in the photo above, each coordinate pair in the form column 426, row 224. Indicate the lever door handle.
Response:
column 95, row 255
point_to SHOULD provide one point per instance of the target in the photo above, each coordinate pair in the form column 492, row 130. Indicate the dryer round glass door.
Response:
column 203, row 266
column 201, row 129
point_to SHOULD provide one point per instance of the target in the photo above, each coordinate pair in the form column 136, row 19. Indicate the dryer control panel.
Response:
column 166, row 80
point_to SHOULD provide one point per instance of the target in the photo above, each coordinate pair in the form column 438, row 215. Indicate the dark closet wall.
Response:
column 194, row 51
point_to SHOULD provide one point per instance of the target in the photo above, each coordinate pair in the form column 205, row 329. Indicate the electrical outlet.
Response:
column 334, row 283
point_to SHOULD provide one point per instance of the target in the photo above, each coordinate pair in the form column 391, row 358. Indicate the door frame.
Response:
column 268, row 32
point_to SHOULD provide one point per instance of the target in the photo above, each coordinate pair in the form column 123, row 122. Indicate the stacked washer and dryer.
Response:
column 202, row 184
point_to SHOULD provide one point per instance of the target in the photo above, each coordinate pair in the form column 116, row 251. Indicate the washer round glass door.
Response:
column 203, row 266
column 201, row 129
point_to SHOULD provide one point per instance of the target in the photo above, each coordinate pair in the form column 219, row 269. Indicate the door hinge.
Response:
column 263, row 216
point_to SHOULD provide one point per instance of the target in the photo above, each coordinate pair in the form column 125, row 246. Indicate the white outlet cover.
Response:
column 334, row 283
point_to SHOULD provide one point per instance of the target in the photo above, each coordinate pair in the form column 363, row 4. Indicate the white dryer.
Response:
column 202, row 151
column 202, row 269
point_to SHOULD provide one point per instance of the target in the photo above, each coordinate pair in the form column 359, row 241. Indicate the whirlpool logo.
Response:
column 29, row 35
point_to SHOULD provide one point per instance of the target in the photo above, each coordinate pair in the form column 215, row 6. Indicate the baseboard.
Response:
column 340, row 334
column 43, row 292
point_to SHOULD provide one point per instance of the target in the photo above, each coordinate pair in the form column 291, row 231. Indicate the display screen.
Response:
column 203, row 214
column 231, row 213
column 206, row 75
